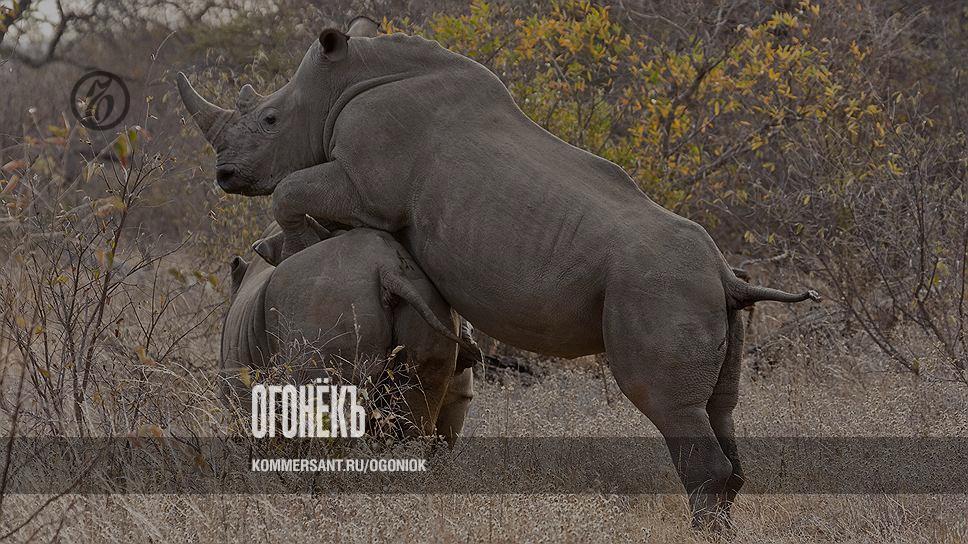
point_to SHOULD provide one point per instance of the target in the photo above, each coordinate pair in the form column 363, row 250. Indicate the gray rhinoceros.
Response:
column 349, row 299
column 538, row 243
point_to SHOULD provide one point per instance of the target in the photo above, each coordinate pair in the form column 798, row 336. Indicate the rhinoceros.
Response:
column 538, row 243
column 352, row 297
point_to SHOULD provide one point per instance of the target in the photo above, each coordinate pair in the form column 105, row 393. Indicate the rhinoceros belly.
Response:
column 519, row 231
column 536, row 290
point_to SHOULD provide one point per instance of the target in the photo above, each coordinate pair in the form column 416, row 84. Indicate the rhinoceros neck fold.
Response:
column 348, row 94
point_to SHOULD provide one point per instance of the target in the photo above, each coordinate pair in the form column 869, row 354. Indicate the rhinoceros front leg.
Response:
column 323, row 191
column 270, row 248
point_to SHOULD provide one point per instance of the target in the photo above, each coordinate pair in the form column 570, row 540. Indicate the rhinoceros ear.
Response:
column 238, row 266
column 248, row 98
column 332, row 44
column 363, row 27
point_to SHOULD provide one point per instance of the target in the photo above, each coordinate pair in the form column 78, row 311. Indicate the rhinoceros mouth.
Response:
column 238, row 187
column 229, row 186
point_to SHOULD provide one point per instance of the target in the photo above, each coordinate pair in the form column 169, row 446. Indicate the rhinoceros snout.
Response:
column 224, row 173
column 227, row 179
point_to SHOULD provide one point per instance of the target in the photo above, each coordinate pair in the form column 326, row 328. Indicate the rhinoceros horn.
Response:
column 209, row 117
column 248, row 98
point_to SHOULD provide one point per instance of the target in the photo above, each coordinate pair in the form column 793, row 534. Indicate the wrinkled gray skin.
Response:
column 538, row 243
column 353, row 296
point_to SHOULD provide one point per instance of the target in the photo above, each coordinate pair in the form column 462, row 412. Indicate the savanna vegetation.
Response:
column 820, row 143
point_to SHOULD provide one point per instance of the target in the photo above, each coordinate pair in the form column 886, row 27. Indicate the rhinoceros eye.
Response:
column 269, row 120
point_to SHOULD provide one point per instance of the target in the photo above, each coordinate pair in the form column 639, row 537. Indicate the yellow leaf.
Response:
column 177, row 274
column 57, row 130
column 245, row 376
column 11, row 185
column 122, row 147
column 108, row 205
column 143, row 356
column 17, row 164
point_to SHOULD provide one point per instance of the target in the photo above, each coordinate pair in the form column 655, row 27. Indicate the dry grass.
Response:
column 814, row 388
column 504, row 518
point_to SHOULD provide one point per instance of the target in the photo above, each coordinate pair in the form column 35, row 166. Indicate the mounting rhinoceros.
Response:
column 352, row 297
column 539, row 244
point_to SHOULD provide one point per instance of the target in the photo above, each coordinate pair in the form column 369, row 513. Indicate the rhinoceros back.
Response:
column 244, row 339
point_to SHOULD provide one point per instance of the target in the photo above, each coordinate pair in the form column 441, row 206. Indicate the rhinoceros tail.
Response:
column 742, row 295
column 395, row 284
column 470, row 354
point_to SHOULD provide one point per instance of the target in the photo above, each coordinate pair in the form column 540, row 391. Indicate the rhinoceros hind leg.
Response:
column 723, row 401
column 418, row 326
column 460, row 393
column 666, row 355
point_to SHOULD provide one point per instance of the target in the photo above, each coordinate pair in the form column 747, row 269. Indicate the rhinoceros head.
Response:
column 265, row 138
